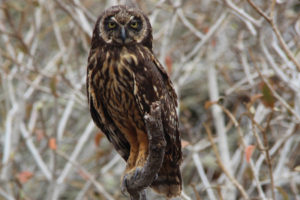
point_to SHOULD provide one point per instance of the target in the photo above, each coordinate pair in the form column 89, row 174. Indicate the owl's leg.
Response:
column 138, row 154
column 132, row 157
column 134, row 150
column 131, row 137
column 143, row 142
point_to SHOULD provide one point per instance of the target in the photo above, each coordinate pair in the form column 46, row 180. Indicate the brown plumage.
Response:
column 123, row 79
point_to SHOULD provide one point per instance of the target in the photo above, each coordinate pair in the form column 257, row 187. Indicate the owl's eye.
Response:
column 112, row 25
column 134, row 24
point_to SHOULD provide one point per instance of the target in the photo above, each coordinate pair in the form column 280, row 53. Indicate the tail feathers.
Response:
column 168, row 182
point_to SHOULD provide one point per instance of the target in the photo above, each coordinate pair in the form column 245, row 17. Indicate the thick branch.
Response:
column 141, row 179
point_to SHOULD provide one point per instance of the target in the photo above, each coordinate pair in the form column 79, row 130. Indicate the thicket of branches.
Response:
column 235, row 65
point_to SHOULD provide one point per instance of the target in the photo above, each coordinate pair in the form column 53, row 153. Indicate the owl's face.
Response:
column 120, row 25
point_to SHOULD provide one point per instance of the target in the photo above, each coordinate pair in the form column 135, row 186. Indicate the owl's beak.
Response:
column 123, row 34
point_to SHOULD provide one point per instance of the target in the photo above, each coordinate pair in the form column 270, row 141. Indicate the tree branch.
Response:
column 271, row 21
column 223, row 167
column 136, row 183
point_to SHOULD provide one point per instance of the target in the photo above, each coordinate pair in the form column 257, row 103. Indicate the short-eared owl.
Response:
column 123, row 79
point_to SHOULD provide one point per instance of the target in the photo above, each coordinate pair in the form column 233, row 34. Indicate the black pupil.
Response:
column 136, row 24
column 109, row 23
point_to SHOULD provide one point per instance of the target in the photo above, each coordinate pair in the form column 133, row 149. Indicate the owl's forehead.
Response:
column 123, row 15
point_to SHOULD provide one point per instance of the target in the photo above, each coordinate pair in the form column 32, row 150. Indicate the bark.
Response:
column 136, row 183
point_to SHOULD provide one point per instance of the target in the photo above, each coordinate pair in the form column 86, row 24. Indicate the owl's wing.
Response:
column 106, row 124
column 152, row 83
column 112, row 132
column 167, row 81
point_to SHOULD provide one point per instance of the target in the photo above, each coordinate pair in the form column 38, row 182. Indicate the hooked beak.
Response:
column 123, row 34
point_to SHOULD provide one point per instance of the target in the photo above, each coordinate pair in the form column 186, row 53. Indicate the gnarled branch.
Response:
column 141, row 179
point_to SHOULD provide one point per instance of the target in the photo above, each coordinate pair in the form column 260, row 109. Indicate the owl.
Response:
column 123, row 79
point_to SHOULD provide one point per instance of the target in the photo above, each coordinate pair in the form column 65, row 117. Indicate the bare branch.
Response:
column 271, row 21
column 36, row 155
column 225, row 169
column 142, row 179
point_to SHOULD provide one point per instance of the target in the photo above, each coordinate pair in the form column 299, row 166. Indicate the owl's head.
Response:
column 121, row 26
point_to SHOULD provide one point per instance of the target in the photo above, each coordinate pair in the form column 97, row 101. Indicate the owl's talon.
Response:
column 137, row 172
column 132, row 175
column 124, row 185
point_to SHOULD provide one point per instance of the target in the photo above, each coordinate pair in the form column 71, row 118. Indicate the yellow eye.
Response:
column 111, row 25
column 134, row 24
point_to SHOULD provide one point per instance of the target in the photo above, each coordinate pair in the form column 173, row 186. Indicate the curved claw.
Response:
column 137, row 172
column 128, row 177
column 124, row 185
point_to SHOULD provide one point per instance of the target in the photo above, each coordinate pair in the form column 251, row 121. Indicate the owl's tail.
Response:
column 169, row 181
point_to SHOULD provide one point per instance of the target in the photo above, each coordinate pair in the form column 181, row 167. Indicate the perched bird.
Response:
column 123, row 79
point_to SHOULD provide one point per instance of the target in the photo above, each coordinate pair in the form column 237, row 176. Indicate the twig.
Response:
column 206, row 37
column 274, row 93
column 36, row 155
column 56, row 29
column 285, row 150
column 243, row 58
column 244, row 16
column 86, row 11
column 5, row 195
column 203, row 177
column 219, row 124
column 68, row 167
column 135, row 184
column 188, row 24
column 27, row 94
column 272, row 9
column 185, row 196
column 83, row 191
column 293, row 85
column 82, row 140
column 64, row 119
column 267, row 153
column 244, row 145
column 275, row 148
column 110, row 164
column 79, row 19
column 271, row 21
column 220, row 163
column 8, row 130
column 89, row 176
column 169, row 28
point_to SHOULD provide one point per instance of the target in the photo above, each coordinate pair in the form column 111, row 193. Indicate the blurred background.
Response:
column 235, row 65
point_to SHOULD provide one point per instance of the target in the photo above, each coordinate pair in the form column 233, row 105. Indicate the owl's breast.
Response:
column 117, row 89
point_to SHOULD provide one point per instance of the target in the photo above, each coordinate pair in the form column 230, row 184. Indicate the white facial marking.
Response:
column 113, row 18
